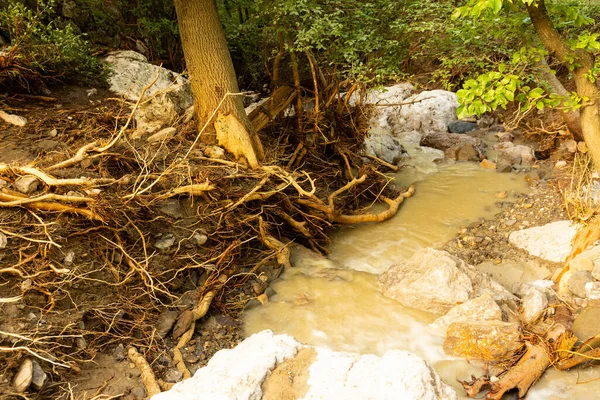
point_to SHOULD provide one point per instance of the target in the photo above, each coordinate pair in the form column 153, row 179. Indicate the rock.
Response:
column 576, row 283
column 38, row 377
column 504, row 136
column 487, row 164
column 435, row 281
column 513, row 157
column 165, row 242
column 240, row 373
column 166, row 320
column 200, row 239
column 588, row 260
column 215, row 152
column 170, row 95
column 534, row 303
column 482, row 308
column 456, row 146
column 24, row 376
column 173, row 375
column 551, row 242
column 487, row 340
column 27, row 184
column 587, row 323
column 430, row 111
column 164, row 135
column 461, row 126
column 384, row 146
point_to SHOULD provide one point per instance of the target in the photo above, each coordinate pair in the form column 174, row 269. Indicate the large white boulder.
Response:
column 240, row 373
column 551, row 242
column 170, row 95
column 436, row 281
column 430, row 111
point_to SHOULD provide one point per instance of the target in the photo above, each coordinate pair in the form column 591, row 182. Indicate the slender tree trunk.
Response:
column 212, row 76
column 556, row 44
column 571, row 118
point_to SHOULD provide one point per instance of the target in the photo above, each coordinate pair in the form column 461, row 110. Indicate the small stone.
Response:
column 200, row 239
column 165, row 243
column 173, row 375
column 215, row 152
column 27, row 184
column 577, row 282
column 23, row 377
column 487, row 164
column 119, row 352
column 69, row 258
column 163, row 135
column 38, row 377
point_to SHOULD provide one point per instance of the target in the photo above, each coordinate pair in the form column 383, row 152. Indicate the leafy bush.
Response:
column 41, row 50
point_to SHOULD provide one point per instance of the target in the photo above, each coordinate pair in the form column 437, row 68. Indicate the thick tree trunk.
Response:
column 571, row 118
column 211, row 73
column 556, row 44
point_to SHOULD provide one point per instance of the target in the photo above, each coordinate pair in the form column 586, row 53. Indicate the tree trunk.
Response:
column 212, row 75
column 571, row 118
column 556, row 44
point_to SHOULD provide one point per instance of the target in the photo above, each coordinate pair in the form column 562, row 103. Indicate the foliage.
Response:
column 41, row 48
column 496, row 89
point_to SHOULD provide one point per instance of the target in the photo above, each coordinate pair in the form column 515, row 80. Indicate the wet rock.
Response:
column 431, row 111
column 461, row 126
column 24, row 376
column 166, row 320
column 456, row 146
column 173, row 375
column 482, row 308
column 384, row 146
column 577, row 281
column 513, row 157
column 587, row 323
column 534, row 303
column 165, row 242
column 435, row 281
column 551, row 242
column 38, row 377
column 27, row 184
column 240, row 372
column 164, row 135
column 488, row 340
column 171, row 93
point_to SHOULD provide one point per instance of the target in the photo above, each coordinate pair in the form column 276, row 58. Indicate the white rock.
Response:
column 431, row 111
column 236, row 373
column 27, row 184
column 396, row 375
column 551, row 242
column 239, row 373
column 384, row 146
column 435, row 281
column 171, row 93
column 482, row 308
column 534, row 303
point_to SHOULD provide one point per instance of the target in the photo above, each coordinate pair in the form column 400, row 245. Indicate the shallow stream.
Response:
column 336, row 303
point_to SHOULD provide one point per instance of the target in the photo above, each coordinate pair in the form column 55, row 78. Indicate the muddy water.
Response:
column 337, row 303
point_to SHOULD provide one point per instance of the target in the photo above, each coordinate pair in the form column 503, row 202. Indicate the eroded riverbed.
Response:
column 336, row 303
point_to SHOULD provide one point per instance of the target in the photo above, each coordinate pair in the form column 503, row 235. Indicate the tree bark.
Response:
column 583, row 63
column 211, row 71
